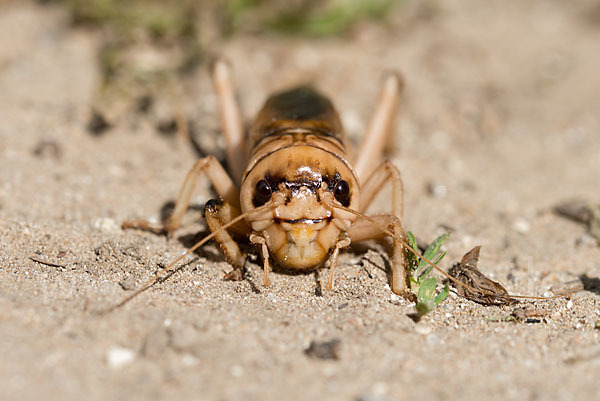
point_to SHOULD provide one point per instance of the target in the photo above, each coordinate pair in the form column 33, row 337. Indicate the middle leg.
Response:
column 379, row 127
column 363, row 230
column 220, row 181
column 343, row 242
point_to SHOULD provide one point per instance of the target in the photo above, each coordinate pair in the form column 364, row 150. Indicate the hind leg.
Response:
column 379, row 128
column 231, row 119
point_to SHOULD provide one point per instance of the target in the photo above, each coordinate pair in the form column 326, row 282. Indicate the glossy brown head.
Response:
column 304, row 181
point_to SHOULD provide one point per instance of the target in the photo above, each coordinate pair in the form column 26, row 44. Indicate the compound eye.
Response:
column 341, row 192
column 262, row 193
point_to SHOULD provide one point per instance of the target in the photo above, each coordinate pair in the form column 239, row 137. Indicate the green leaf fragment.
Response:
column 427, row 289
column 412, row 241
column 423, row 308
column 421, row 283
column 433, row 249
column 442, row 295
column 439, row 258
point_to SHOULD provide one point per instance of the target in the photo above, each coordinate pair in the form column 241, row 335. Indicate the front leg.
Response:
column 217, row 214
column 343, row 242
column 257, row 239
column 363, row 230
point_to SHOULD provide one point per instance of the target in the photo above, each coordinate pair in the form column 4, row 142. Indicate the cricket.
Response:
column 296, row 188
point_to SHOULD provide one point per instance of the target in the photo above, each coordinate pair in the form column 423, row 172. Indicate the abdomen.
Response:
column 297, row 109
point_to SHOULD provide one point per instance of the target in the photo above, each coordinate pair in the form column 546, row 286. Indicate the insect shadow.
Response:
column 363, row 247
column 591, row 284
column 188, row 240
column 318, row 286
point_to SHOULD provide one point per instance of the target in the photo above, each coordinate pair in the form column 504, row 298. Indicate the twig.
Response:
column 47, row 263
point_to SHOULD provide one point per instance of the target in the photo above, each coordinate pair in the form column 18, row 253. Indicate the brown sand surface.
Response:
column 499, row 123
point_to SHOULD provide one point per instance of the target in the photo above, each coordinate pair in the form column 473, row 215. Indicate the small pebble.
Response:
column 189, row 360
column 105, row 224
column 380, row 388
column 468, row 241
column 236, row 371
column 521, row 225
column 437, row 190
column 117, row 357
column 423, row 329
column 395, row 298
column 569, row 304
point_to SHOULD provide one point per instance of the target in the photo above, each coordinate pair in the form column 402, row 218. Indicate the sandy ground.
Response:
column 499, row 123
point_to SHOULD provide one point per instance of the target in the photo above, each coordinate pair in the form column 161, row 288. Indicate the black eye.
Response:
column 262, row 193
column 342, row 192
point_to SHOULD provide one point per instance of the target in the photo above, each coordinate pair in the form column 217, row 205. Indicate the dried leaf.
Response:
column 489, row 292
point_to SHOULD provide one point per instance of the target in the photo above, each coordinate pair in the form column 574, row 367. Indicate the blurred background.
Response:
column 480, row 67
column 149, row 49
